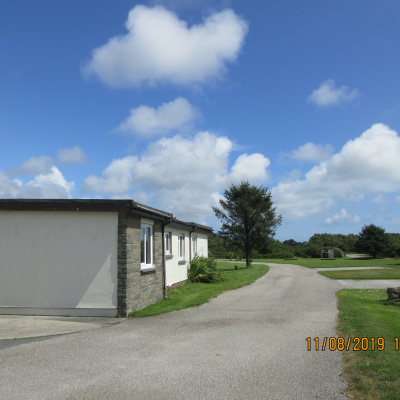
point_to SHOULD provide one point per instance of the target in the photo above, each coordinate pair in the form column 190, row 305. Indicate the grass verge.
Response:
column 371, row 374
column 393, row 273
column 194, row 294
column 337, row 262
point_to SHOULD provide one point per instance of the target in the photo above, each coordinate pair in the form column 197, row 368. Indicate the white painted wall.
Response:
column 175, row 271
column 58, row 263
column 202, row 244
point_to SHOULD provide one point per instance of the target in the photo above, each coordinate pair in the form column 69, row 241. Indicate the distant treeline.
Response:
column 220, row 247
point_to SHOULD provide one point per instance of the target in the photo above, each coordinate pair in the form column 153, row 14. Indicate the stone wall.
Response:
column 137, row 289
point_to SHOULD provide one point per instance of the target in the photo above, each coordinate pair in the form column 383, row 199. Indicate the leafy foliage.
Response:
column 220, row 247
column 281, row 254
column 346, row 243
column 248, row 217
column 204, row 269
column 394, row 245
column 373, row 240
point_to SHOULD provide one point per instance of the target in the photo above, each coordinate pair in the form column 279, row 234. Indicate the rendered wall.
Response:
column 176, row 270
column 58, row 263
column 202, row 244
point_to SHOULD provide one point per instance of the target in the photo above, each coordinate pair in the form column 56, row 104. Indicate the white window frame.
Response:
column 181, row 246
column 167, row 243
column 145, row 230
column 194, row 246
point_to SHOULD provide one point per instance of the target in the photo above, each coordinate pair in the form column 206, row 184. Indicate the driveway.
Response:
column 248, row 343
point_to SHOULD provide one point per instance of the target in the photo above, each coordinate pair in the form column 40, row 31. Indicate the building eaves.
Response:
column 93, row 205
column 192, row 226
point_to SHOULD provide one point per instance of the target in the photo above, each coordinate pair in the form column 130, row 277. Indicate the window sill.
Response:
column 146, row 269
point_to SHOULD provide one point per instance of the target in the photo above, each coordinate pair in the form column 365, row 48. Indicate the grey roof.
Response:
column 191, row 226
column 97, row 205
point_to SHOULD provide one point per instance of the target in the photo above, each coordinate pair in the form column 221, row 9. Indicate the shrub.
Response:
column 281, row 254
column 338, row 253
column 204, row 269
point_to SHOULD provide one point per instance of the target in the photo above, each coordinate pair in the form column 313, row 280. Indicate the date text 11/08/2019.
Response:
column 354, row 344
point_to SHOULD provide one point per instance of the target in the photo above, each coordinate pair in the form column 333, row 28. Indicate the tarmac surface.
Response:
column 23, row 327
column 248, row 343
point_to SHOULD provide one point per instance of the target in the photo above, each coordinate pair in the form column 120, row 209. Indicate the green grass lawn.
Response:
column 337, row 262
column 371, row 374
column 392, row 273
column 194, row 294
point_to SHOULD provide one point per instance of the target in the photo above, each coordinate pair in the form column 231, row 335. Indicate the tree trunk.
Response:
column 248, row 262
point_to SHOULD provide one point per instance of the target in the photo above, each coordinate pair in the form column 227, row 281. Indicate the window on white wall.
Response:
column 146, row 236
column 194, row 246
column 181, row 246
column 167, row 239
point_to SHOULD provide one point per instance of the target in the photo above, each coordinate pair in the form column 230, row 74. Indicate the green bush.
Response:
column 204, row 269
column 314, row 251
column 338, row 253
column 280, row 254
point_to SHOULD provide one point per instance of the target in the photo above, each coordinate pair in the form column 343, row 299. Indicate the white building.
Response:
column 91, row 257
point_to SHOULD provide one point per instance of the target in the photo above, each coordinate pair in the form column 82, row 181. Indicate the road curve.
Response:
column 248, row 343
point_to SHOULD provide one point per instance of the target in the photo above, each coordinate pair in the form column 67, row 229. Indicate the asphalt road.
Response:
column 248, row 343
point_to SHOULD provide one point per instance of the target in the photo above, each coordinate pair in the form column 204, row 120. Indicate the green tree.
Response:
column 372, row 240
column 248, row 217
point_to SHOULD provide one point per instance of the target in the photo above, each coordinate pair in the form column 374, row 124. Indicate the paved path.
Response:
column 248, row 343
column 18, row 327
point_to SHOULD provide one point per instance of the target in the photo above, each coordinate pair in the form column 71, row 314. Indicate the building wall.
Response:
column 137, row 289
column 202, row 244
column 84, row 263
column 176, row 269
column 58, row 263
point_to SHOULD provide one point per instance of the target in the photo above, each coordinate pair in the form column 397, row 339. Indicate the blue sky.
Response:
column 169, row 102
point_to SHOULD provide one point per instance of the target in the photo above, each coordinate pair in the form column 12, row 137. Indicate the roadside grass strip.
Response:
column 195, row 294
column 339, row 263
column 371, row 368
column 392, row 272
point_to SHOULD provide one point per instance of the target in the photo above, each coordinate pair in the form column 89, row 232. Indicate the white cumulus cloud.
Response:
column 369, row 164
column 342, row 217
column 117, row 178
column 178, row 174
column 312, row 152
column 328, row 95
column 161, row 48
column 72, row 155
column 251, row 167
column 147, row 121
column 43, row 164
column 49, row 185
column 33, row 166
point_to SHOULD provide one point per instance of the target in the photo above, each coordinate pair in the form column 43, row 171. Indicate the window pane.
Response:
column 167, row 243
column 142, row 245
column 148, row 245
column 194, row 239
column 181, row 244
